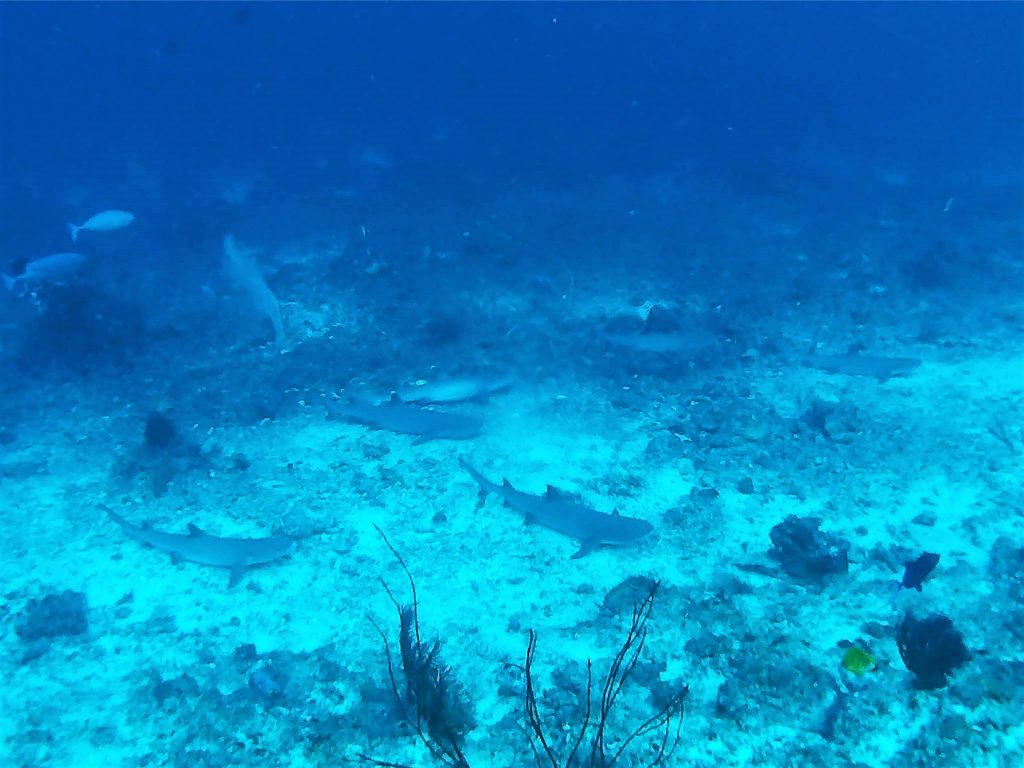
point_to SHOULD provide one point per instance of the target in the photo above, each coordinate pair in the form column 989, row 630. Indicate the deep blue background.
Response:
column 544, row 87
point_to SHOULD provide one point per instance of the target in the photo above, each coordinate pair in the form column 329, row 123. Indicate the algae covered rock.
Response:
column 61, row 614
column 805, row 552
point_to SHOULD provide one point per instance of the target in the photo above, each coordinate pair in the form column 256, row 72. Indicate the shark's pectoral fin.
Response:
column 421, row 439
column 528, row 518
column 586, row 547
column 176, row 558
column 194, row 530
column 237, row 572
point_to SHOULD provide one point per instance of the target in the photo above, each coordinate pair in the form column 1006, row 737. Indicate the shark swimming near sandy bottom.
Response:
column 198, row 546
column 872, row 366
column 561, row 513
column 396, row 415
column 691, row 341
column 457, row 389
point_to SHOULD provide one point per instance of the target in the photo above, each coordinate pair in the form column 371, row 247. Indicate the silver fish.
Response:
column 105, row 221
column 55, row 268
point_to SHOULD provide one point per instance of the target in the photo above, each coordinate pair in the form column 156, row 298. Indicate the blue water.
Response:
column 750, row 273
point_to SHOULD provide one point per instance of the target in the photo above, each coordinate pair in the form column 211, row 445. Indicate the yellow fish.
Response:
column 858, row 661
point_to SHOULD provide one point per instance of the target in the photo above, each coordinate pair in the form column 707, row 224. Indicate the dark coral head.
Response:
column 931, row 648
column 160, row 431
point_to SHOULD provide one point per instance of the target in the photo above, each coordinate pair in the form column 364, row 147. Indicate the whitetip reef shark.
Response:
column 691, row 341
column 458, row 389
column 872, row 366
column 561, row 513
column 396, row 415
column 198, row 546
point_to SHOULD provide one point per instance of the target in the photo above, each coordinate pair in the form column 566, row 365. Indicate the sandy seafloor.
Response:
column 915, row 465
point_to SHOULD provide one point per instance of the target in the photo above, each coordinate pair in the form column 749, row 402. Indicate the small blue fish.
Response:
column 917, row 570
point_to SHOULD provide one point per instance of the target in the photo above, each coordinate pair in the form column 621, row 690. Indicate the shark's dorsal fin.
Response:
column 615, row 512
column 506, row 484
column 395, row 398
column 194, row 530
column 554, row 492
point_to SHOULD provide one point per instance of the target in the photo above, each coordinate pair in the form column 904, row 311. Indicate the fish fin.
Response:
column 74, row 231
column 237, row 572
column 615, row 512
column 395, row 398
column 528, row 518
column 505, row 483
column 552, row 492
column 176, row 558
column 421, row 439
column 194, row 530
column 586, row 547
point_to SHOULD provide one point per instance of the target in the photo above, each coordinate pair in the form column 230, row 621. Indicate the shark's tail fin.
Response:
column 74, row 231
column 483, row 482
